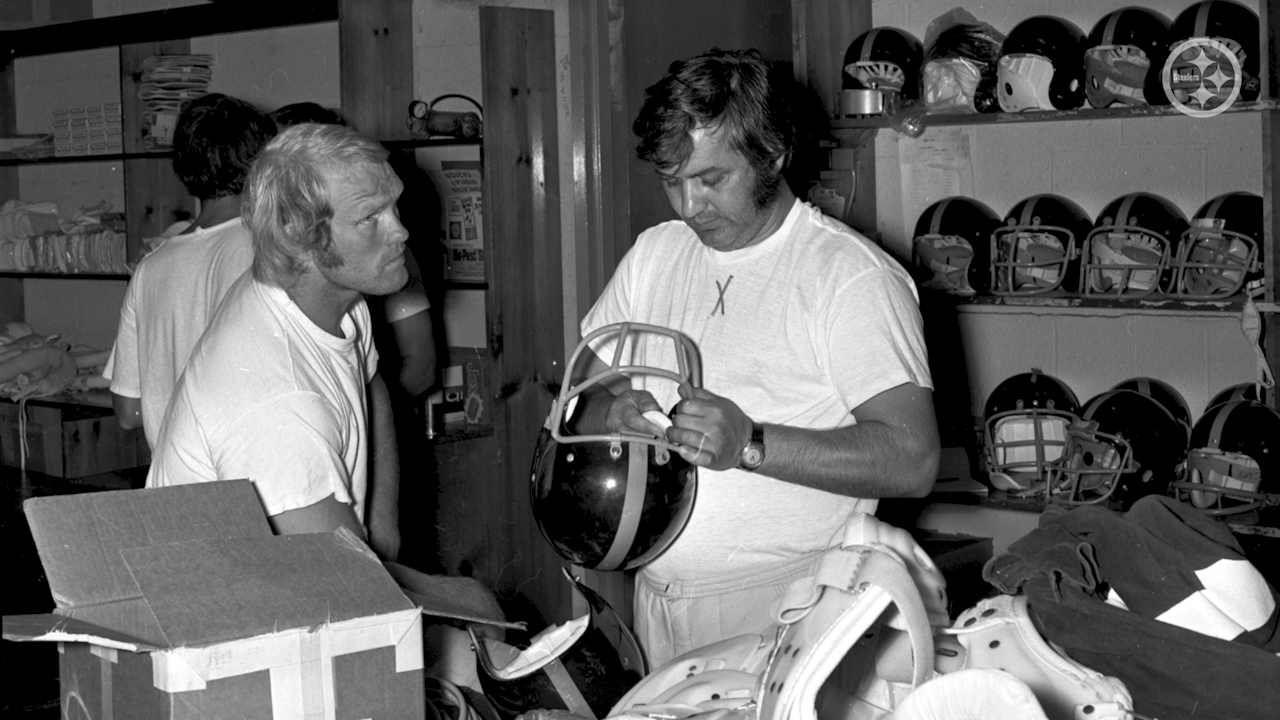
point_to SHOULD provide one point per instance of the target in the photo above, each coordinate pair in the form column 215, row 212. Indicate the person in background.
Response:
column 283, row 387
column 816, row 397
column 175, row 288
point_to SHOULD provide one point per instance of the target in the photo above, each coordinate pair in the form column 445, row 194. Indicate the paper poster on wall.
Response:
column 464, row 227
column 935, row 165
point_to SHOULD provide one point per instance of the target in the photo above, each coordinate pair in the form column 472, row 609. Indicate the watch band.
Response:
column 752, row 455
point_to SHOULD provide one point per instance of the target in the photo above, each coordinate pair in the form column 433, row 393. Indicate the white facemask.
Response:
column 1024, row 83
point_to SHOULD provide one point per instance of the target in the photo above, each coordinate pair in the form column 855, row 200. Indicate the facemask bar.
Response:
column 618, row 340
column 1130, row 278
column 1026, row 456
column 1091, row 465
column 1214, row 477
column 1206, row 266
column 1009, row 259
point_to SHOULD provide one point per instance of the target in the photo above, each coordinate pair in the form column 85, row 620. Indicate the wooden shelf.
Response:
column 848, row 124
column 1093, row 306
column 160, row 25
column 413, row 143
column 62, row 276
column 97, row 157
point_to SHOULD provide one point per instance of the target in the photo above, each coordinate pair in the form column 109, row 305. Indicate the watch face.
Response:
column 752, row 456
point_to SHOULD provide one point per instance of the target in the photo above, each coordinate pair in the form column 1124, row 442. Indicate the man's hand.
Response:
column 710, row 430
column 626, row 413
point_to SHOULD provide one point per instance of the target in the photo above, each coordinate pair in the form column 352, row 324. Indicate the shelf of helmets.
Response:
column 852, row 132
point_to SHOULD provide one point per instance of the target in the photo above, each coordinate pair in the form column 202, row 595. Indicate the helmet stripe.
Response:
column 869, row 42
column 1214, row 206
column 936, row 223
column 1202, row 20
column 1109, row 32
column 1215, row 430
column 632, row 505
column 1122, row 212
column 1028, row 212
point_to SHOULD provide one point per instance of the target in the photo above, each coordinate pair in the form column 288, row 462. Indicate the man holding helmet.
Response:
column 815, row 397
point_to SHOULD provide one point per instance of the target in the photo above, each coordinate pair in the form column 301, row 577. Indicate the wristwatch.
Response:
column 752, row 456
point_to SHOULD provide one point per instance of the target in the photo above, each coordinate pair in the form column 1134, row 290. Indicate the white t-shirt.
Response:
column 269, row 396
column 170, row 300
column 798, row 330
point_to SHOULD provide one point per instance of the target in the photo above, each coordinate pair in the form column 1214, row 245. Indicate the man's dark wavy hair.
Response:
column 736, row 90
column 215, row 141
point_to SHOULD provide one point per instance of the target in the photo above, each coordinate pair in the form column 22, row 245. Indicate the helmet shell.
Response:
column 1129, row 251
column 1036, row 249
column 952, row 244
column 610, row 505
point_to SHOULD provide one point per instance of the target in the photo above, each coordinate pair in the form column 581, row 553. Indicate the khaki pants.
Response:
column 675, row 617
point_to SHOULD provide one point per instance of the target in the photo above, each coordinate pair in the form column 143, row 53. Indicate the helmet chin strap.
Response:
column 1251, row 324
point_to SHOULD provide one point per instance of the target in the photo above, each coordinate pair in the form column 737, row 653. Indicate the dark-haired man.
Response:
column 175, row 289
column 816, row 395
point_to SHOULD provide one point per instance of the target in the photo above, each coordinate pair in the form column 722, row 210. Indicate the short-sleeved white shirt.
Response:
column 170, row 300
column 269, row 396
column 798, row 329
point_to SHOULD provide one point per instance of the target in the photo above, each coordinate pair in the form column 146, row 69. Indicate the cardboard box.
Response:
column 179, row 602
column 68, row 440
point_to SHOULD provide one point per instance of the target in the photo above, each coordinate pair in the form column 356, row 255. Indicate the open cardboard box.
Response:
column 180, row 602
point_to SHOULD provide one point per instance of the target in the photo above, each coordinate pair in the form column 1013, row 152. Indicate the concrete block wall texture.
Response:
column 1092, row 162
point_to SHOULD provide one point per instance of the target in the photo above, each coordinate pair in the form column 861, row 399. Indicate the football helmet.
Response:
column 952, row 244
column 1025, row 425
column 1233, row 461
column 1239, row 391
column 960, row 70
column 881, row 70
column 1129, row 251
column 1227, row 22
column 1163, row 393
column 613, row 501
column 1036, row 249
column 1124, row 446
column 1220, row 253
column 1124, row 55
column 583, row 665
column 1041, row 66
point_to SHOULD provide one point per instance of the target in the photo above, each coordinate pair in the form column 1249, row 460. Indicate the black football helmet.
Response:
column 1129, row 251
column 1036, row 250
column 1220, row 253
column 1025, row 423
column 1042, row 66
column 1123, row 57
column 885, row 61
column 1124, row 446
column 1163, row 393
column 952, row 244
column 1233, row 463
column 613, row 501
column 1201, row 67
column 1239, row 391
column 584, row 665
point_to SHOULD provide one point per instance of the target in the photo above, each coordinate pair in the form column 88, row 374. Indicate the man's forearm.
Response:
column 870, row 459
column 384, row 476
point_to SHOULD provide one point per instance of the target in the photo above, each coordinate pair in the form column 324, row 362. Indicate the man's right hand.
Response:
column 626, row 413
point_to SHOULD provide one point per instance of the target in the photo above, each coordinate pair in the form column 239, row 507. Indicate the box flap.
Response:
column 80, row 537
column 214, row 590
column 58, row 628
column 451, row 596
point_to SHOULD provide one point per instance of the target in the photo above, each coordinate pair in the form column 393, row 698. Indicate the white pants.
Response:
column 675, row 617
